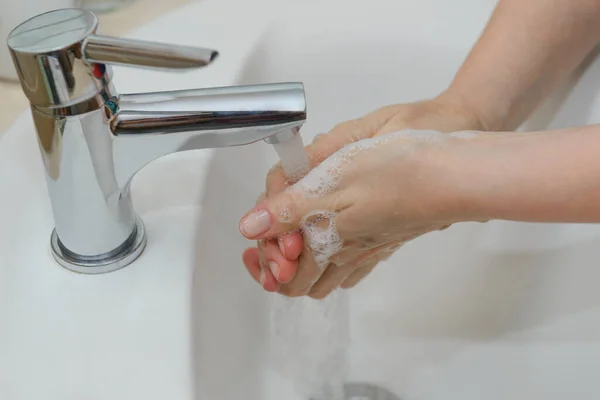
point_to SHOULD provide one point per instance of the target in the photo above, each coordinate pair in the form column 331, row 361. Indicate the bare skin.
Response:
column 525, row 51
column 281, row 256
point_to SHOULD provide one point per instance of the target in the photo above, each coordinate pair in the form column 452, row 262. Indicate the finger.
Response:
column 331, row 279
column 250, row 259
column 359, row 274
column 269, row 283
column 291, row 245
column 368, row 261
column 283, row 252
column 282, row 269
column 307, row 274
column 351, row 254
column 261, row 274
column 347, row 264
column 358, row 253
column 283, row 213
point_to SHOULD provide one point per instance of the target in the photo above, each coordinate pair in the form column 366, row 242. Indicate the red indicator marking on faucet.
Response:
column 98, row 70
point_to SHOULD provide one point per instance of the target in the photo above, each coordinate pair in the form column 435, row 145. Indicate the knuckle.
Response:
column 274, row 172
column 350, row 283
column 293, row 291
column 347, row 126
column 341, row 258
column 290, row 206
column 318, row 137
column 353, row 279
column 368, row 242
column 318, row 295
column 287, row 211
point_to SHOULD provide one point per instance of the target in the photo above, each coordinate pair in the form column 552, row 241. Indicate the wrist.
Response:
column 481, row 115
column 546, row 176
column 449, row 173
column 497, row 176
column 474, row 175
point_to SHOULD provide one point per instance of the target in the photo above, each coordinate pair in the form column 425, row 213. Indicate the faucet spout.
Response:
column 150, row 125
column 210, row 110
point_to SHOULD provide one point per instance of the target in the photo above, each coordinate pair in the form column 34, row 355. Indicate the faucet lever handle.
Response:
column 55, row 54
column 130, row 52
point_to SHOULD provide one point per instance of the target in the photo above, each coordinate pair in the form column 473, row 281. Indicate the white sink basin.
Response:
column 494, row 311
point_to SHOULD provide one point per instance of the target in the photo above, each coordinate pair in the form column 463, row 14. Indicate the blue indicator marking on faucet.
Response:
column 112, row 105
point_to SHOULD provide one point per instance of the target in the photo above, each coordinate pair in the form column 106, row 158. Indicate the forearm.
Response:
column 551, row 176
column 527, row 48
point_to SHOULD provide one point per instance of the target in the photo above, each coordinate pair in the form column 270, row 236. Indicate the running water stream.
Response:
column 309, row 337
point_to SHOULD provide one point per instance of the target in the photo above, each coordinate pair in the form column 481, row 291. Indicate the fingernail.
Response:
column 281, row 246
column 274, row 267
column 256, row 223
column 262, row 276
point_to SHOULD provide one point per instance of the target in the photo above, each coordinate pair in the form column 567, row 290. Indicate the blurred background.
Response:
column 117, row 18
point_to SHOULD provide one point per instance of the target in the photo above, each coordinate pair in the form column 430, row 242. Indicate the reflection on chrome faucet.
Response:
column 94, row 140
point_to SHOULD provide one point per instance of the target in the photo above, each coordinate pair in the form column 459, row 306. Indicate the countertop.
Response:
column 119, row 22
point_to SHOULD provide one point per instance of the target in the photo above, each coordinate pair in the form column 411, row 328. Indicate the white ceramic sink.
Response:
column 494, row 311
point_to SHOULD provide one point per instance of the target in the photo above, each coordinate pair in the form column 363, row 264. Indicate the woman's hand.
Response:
column 359, row 205
column 277, row 261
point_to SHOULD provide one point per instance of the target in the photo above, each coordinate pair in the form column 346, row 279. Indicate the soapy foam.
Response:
column 323, row 179
column 323, row 239
column 285, row 215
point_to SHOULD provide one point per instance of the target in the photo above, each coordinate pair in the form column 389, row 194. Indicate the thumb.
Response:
column 278, row 214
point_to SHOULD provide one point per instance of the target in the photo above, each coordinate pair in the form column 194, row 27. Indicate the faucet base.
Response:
column 124, row 255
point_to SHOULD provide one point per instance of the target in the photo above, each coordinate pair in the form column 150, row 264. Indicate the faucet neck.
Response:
column 90, row 158
column 96, row 229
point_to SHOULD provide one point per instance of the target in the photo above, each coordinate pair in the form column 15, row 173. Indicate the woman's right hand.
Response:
column 275, row 262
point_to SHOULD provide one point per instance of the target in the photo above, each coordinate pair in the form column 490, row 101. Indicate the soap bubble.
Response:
column 322, row 236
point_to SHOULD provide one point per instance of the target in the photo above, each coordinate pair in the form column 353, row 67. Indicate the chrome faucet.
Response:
column 93, row 140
